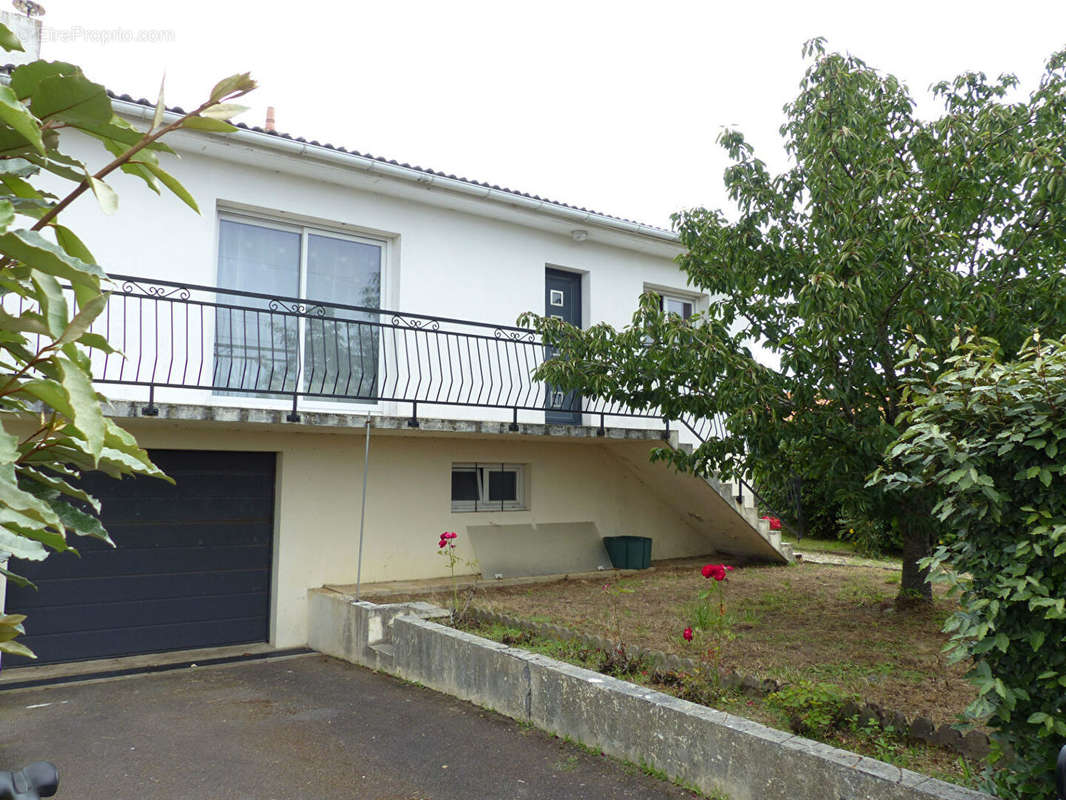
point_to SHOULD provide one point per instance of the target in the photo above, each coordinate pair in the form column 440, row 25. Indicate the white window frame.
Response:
column 483, row 470
column 699, row 301
column 304, row 231
column 664, row 297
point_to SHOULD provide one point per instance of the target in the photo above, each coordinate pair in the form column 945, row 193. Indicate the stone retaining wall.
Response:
column 717, row 753
column 974, row 744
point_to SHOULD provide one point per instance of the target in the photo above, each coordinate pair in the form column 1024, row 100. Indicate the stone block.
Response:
column 731, row 679
column 751, row 686
column 898, row 721
column 947, row 737
column 975, row 745
column 922, row 729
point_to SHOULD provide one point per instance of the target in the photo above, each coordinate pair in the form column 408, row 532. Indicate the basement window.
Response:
column 488, row 487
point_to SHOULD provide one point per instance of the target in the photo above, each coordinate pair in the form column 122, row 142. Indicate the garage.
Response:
column 192, row 565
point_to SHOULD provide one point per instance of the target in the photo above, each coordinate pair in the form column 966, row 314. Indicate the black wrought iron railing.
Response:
column 237, row 343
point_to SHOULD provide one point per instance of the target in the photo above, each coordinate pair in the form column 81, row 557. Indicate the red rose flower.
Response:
column 716, row 571
column 687, row 634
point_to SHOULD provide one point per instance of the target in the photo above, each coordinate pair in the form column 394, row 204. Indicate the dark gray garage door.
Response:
column 191, row 568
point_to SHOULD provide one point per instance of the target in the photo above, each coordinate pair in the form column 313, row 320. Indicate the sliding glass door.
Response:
column 297, row 336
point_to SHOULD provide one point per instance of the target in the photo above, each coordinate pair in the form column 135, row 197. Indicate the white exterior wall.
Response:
column 446, row 255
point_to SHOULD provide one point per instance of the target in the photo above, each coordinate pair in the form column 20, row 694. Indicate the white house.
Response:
column 320, row 288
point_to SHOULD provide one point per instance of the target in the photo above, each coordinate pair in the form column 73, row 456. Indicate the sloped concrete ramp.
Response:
column 708, row 507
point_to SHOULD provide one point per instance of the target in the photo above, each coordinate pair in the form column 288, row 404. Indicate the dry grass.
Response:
column 831, row 624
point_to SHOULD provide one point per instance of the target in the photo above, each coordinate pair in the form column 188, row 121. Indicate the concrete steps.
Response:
column 379, row 636
column 729, row 491
column 386, row 651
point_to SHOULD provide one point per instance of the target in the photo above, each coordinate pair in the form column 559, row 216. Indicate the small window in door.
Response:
column 488, row 487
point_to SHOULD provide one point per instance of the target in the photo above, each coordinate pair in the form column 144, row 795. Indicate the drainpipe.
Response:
column 362, row 513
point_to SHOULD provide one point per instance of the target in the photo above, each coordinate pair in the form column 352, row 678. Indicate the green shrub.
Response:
column 872, row 537
column 991, row 436
column 814, row 709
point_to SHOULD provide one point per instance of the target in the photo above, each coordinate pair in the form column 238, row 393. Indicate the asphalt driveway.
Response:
column 304, row 727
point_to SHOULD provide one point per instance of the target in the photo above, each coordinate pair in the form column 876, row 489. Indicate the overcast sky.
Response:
column 610, row 105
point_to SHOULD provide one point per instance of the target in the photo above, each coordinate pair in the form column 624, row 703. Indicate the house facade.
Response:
column 330, row 318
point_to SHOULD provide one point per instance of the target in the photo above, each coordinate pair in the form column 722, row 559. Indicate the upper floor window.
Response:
column 675, row 305
column 274, row 347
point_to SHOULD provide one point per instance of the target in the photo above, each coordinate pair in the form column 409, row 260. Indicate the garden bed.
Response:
column 831, row 626
column 822, row 623
column 714, row 752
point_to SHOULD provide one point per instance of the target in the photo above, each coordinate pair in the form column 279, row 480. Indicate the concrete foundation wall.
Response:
column 319, row 491
column 716, row 752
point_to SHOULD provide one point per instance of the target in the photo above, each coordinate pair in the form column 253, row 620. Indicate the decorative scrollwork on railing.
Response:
column 416, row 323
column 153, row 290
column 296, row 308
column 516, row 336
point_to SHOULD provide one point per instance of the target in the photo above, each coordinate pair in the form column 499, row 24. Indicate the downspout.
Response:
column 362, row 513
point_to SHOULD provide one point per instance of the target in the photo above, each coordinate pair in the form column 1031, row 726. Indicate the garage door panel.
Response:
column 75, row 591
column 194, row 509
column 97, row 616
column 105, row 644
column 216, row 484
column 160, row 537
column 192, row 567
column 146, row 561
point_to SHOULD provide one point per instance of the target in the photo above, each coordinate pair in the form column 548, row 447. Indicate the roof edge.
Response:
column 299, row 147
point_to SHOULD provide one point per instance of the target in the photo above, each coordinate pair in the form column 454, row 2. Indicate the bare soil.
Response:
column 823, row 623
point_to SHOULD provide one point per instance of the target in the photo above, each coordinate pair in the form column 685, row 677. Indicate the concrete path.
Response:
column 286, row 729
column 845, row 559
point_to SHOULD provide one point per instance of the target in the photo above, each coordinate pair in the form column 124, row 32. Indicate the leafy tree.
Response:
column 51, row 289
column 883, row 225
column 991, row 436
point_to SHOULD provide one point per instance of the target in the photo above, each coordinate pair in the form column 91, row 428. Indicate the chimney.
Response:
column 27, row 27
column 270, row 120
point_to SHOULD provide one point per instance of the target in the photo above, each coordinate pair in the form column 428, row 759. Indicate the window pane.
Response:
column 680, row 307
column 464, row 485
column 341, row 348
column 258, row 348
column 503, row 486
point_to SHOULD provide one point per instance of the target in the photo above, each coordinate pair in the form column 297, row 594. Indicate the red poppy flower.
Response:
column 687, row 634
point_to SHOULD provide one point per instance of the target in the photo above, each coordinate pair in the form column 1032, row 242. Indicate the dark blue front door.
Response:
column 562, row 299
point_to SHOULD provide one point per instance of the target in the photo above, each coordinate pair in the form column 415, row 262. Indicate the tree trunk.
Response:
column 917, row 529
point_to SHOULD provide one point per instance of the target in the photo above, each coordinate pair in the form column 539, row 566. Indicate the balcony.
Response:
column 208, row 346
